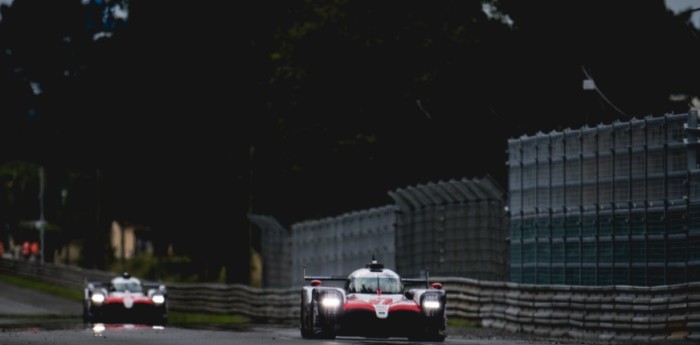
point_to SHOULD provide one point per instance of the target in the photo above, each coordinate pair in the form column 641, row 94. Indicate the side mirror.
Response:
column 315, row 282
column 409, row 294
column 437, row 286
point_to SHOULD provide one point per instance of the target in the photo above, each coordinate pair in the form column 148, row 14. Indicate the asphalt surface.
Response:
column 19, row 301
column 29, row 309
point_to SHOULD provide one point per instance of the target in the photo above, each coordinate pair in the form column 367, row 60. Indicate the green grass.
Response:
column 43, row 287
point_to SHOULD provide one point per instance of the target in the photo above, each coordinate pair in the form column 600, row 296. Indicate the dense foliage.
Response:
column 187, row 117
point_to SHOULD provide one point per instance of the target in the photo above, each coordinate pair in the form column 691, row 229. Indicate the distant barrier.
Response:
column 585, row 312
column 262, row 305
column 69, row 277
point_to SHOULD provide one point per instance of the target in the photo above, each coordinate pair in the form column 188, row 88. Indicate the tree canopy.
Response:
column 188, row 117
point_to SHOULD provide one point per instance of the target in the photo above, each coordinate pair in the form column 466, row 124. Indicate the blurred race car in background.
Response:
column 375, row 302
column 125, row 299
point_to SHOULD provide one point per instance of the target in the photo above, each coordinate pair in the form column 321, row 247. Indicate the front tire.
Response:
column 306, row 332
column 87, row 318
column 313, row 324
column 320, row 332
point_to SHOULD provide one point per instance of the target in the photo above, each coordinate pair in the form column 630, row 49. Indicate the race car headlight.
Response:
column 431, row 304
column 158, row 299
column 330, row 302
column 97, row 298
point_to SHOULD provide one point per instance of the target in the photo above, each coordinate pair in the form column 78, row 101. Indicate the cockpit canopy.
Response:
column 366, row 281
column 126, row 284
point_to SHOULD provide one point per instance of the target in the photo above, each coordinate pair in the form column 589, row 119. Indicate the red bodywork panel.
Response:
column 120, row 300
column 357, row 304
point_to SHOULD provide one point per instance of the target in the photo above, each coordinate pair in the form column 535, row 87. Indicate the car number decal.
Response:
column 382, row 310
column 128, row 301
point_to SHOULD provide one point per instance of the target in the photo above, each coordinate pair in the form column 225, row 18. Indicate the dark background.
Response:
column 190, row 115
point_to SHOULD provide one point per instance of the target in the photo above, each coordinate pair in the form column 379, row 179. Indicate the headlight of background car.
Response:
column 431, row 304
column 97, row 298
column 158, row 299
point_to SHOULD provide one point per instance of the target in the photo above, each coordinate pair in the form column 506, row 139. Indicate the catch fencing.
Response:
column 276, row 251
column 607, row 205
column 342, row 244
column 582, row 312
column 452, row 228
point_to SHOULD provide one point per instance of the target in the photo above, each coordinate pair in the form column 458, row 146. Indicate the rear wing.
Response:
column 331, row 278
column 327, row 278
column 151, row 285
column 416, row 281
column 95, row 283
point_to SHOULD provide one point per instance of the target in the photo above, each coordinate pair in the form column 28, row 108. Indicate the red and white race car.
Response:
column 125, row 299
column 375, row 302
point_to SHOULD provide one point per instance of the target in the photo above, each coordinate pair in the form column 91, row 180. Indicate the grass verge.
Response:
column 42, row 287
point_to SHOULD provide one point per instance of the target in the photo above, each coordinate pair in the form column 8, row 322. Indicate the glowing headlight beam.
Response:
column 158, row 299
column 431, row 304
column 330, row 302
column 97, row 298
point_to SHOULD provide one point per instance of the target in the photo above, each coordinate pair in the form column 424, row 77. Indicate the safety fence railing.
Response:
column 262, row 305
column 586, row 312
column 595, row 312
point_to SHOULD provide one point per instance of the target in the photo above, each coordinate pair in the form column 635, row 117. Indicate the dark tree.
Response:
column 186, row 118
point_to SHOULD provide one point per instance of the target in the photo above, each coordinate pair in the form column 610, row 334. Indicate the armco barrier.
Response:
column 264, row 305
column 593, row 312
column 586, row 312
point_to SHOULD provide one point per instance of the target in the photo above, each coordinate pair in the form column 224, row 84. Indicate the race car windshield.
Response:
column 127, row 286
column 386, row 285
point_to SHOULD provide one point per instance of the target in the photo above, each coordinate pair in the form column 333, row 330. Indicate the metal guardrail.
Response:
column 586, row 312
column 263, row 305
column 593, row 312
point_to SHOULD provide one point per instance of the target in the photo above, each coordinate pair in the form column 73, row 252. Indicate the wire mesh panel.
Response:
column 364, row 234
column 458, row 227
column 693, row 249
column 275, row 243
column 589, row 224
column 339, row 245
column 621, row 199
